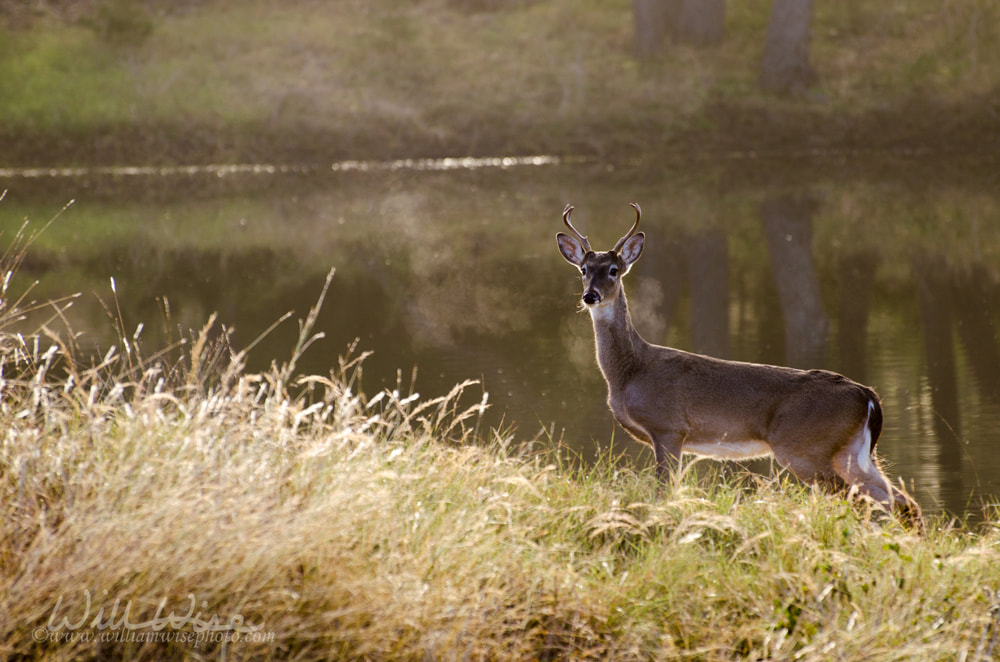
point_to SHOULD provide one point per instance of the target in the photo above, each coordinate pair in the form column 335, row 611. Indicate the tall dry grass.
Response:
column 171, row 505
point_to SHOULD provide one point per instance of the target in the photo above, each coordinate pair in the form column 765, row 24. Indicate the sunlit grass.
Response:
column 171, row 483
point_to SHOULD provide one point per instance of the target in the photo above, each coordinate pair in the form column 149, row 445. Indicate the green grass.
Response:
column 173, row 483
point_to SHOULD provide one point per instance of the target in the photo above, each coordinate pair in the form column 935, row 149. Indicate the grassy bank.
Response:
column 152, row 82
column 166, row 495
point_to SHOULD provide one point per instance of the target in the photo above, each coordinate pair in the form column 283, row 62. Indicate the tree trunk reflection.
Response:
column 788, row 226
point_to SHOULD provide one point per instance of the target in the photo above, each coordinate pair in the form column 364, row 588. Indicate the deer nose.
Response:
column 590, row 297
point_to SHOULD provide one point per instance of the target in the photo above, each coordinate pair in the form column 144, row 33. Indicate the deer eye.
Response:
column 613, row 272
column 583, row 271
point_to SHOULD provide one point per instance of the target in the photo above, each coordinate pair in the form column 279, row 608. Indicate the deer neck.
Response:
column 619, row 346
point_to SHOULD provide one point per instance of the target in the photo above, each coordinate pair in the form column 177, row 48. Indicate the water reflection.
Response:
column 788, row 227
column 855, row 271
column 939, row 351
column 709, row 274
column 893, row 282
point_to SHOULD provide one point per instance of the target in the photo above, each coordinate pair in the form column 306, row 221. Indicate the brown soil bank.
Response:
column 917, row 128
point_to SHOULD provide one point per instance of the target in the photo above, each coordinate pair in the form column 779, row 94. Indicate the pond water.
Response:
column 884, row 268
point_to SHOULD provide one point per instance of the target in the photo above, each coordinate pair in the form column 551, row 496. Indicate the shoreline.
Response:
column 717, row 130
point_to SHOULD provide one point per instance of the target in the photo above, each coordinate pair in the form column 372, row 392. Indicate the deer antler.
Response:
column 638, row 215
column 567, row 212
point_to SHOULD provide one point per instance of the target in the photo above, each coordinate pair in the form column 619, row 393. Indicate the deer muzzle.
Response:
column 590, row 297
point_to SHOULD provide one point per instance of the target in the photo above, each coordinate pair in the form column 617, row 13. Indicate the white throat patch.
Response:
column 603, row 311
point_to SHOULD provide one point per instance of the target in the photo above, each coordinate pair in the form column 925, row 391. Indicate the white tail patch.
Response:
column 864, row 454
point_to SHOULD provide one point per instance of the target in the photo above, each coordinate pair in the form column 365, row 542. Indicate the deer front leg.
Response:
column 667, row 451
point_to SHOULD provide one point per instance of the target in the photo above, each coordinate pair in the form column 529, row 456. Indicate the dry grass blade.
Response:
column 306, row 337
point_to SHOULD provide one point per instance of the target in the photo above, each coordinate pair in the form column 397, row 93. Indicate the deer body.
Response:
column 818, row 424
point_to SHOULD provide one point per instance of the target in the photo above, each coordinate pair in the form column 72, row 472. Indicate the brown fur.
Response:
column 819, row 425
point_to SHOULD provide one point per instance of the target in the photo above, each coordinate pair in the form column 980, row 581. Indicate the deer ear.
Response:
column 571, row 249
column 632, row 249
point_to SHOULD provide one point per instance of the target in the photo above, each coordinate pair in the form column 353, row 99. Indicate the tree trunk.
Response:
column 785, row 67
column 701, row 22
column 697, row 22
column 652, row 20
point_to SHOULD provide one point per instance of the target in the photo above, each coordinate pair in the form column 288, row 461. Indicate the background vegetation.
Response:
column 148, row 81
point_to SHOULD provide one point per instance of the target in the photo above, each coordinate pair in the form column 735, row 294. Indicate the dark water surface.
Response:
column 886, row 270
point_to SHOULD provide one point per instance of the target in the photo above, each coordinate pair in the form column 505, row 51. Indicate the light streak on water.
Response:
column 452, row 163
column 225, row 169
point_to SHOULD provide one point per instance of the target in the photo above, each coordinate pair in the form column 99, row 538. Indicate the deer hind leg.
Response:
column 851, row 466
column 857, row 467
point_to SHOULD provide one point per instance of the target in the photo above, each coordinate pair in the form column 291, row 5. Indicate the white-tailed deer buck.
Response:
column 819, row 425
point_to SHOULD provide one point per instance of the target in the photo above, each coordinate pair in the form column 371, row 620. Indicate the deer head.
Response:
column 601, row 271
